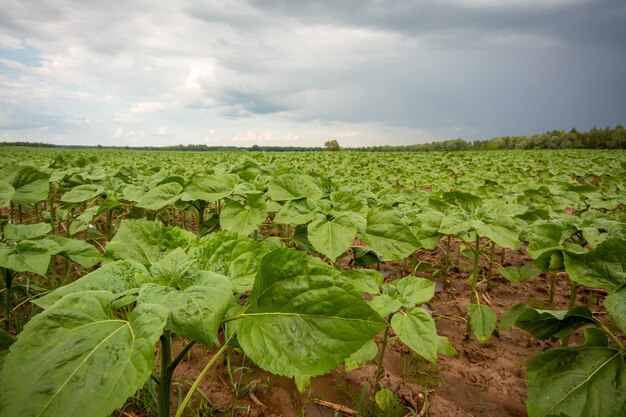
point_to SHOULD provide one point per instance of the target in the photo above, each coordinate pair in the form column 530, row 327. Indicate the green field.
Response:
column 110, row 258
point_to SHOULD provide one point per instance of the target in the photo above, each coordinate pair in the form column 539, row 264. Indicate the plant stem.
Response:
column 383, row 347
column 7, row 298
column 181, row 355
column 200, row 377
column 166, row 374
column 109, row 223
column 552, row 287
column 491, row 256
column 52, row 211
column 572, row 296
column 615, row 339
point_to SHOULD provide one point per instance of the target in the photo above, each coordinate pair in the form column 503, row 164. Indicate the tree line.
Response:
column 607, row 138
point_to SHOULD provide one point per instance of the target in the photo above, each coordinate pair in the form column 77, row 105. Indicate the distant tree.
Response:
column 332, row 145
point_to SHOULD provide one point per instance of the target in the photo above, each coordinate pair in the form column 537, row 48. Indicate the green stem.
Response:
column 476, row 259
column 7, row 298
column 19, row 213
column 109, row 223
column 200, row 377
column 491, row 256
column 572, row 296
column 52, row 211
column 181, row 355
column 552, row 287
column 381, row 357
column 165, row 385
column 615, row 339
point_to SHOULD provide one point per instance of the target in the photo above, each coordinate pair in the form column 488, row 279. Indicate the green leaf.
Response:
column 544, row 324
column 30, row 184
column 6, row 194
column 365, row 280
column 410, row 291
column 362, row 356
column 210, row 187
column 302, row 319
column 25, row 231
column 513, row 274
column 386, row 400
column 83, row 221
column 330, row 237
column 604, row 267
column 445, row 347
column 502, row 231
column 511, row 316
column 389, row 236
column 482, row 321
column 577, row 382
column 615, row 305
column 293, row 187
column 385, row 304
column 417, row 330
column 116, row 277
column 77, row 359
column 147, row 242
column 465, row 201
column 196, row 309
column 82, row 193
column 235, row 217
column 161, row 196
column 78, row 251
column 295, row 212
column 28, row 256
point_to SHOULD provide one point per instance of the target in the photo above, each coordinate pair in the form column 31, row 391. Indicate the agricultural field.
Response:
column 313, row 284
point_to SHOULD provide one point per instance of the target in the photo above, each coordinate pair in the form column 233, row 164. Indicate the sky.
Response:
column 299, row 73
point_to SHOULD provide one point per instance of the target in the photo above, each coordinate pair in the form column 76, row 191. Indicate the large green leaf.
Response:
column 28, row 255
column 389, row 236
column 295, row 212
column 410, row 291
column 302, row 322
column 544, row 324
column 465, row 201
column 197, row 308
column 293, row 187
column 147, row 242
column 577, row 382
column 482, row 321
column 513, row 274
column 30, row 184
column 604, row 267
column 331, row 237
column 365, row 280
column 116, row 277
column 362, row 356
column 82, row 193
column 417, row 330
column 77, row 359
column 616, row 307
column 161, row 196
column 25, row 231
column 78, row 251
column 210, row 187
column 6, row 194
column 502, row 231
column 235, row 217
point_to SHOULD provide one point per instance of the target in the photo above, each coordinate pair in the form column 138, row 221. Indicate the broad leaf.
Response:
column 161, row 196
column 604, row 267
column 83, row 222
column 235, row 217
column 295, row 212
column 362, row 356
column 302, row 322
column 616, row 307
column 410, row 291
column 389, row 236
column 28, row 255
column 577, row 382
column 25, row 231
column 116, row 277
column 77, row 359
column 293, row 187
column 196, row 309
column 544, row 324
column 210, row 187
column 365, row 280
column 416, row 329
column 330, row 237
column 78, row 251
column 384, row 304
column 82, row 193
column 147, row 242
column 513, row 274
column 482, row 321
column 30, row 184
column 6, row 194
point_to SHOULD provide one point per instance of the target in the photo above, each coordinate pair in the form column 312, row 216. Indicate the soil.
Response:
column 482, row 380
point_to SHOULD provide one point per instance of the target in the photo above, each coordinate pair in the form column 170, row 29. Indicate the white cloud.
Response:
column 10, row 42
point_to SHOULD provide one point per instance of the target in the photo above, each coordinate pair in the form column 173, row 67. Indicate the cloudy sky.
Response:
column 286, row 72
